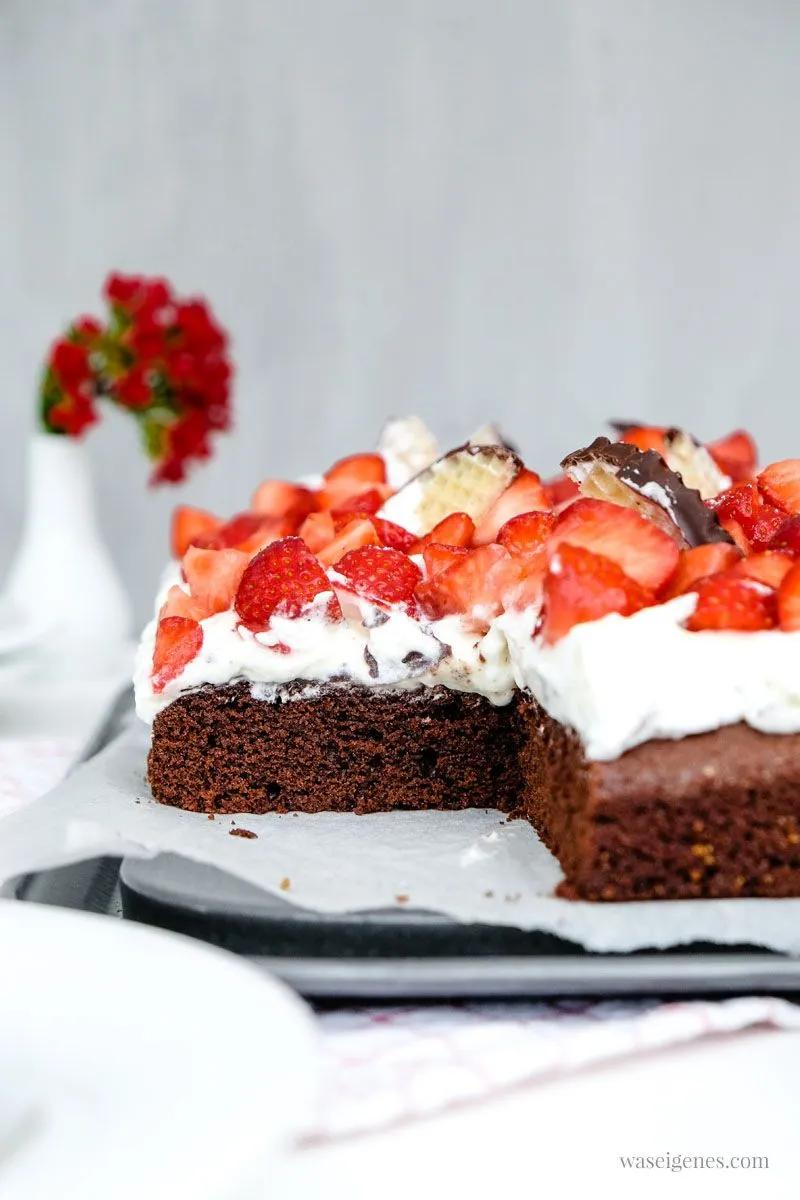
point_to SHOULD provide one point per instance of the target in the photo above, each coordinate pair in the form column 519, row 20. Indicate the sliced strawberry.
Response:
column 392, row 535
column 364, row 469
column 365, row 502
column 188, row 524
column 213, row 576
column 788, row 537
column 277, row 498
column 769, row 567
column 317, row 531
column 642, row 550
column 439, row 558
column 180, row 604
column 380, row 574
column 282, row 579
column 789, row 600
column 699, row 562
column 736, row 532
column 581, row 586
column 178, row 641
column 525, row 494
column 353, row 535
column 560, row 490
column 526, row 532
column 780, row 485
column 730, row 601
column 744, row 504
column 646, row 437
column 473, row 585
column 526, row 589
column 457, row 529
column 246, row 531
column 735, row 454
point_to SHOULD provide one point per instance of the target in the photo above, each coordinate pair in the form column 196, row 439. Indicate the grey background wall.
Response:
column 545, row 212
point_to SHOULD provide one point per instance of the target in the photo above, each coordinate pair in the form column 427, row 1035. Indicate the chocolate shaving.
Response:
column 374, row 618
column 646, row 473
column 372, row 662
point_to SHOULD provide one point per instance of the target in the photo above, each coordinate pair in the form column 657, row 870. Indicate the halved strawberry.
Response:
column 644, row 552
column 789, row 600
column 282, row 579
column 581, row 586
column 457, row 529
column 365, row 502
column 787, row 537
column 526, row 588
column 380, row 574
column 362, row 469
column 393, row 535
column 438, row 558
column 730, row 601
column 353, row 535
column 697, row 563
column 769, row 567
column 744, row 504
column 246, row 531
column 277, row 498
column 180, row 604
column 735, row 454
column 525, row 494
column 189, row 523
column 560, row 490
column 737, row 533
column 317, row 531
column 213, row 576
column 526, row 532
column 178, row 641
column 646, row 437
column 780, row 485
column 473, row 585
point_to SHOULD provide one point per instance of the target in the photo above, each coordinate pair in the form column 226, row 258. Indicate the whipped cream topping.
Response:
column 621, row 681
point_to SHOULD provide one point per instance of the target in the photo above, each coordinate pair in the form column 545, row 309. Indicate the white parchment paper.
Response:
column 473, row 866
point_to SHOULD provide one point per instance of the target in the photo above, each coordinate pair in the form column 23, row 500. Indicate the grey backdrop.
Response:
column 544, row 212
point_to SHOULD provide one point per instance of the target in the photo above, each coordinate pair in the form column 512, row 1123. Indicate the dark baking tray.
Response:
column 391, row 954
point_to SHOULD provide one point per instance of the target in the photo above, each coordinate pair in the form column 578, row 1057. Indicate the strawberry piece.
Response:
column 180, row 604
column 246, row 531
column 769, row 567
column 758, row 520
column 788, row 537
column 560, row 490
column 178, row 641
column 646, row 437
column 277, row 498
column 736, row 455
column 380, row 574
column 457, row 529
column 392, row 535
column 527, row 587
column 282, row 579
column 737, row 533
column 213, row 576
column 188, row 524
column 525, row 494
column 473, row 585
column 358, row 469
column 581, row 586
column 367, row 502
column 699, row 562
column 780, row 485
column 438, row 558
column 789, row 600
column 644, row 552
column 730, row 601
column 526, row 532
column 317, row 531
column 353, row 535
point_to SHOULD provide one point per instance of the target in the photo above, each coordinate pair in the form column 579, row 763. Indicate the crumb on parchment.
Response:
column 285, row 883
column 237, row 831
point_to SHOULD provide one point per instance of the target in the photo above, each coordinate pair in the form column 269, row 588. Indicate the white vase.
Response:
column 63, row 603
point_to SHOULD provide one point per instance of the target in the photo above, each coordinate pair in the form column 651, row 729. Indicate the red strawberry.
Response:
column 380, row 574
column 189, row 523
column 643, row 551
column 178, row 641
column 277, row 498
column 180, row 604
column 246, row 531
column 780, row 485
column 458, row 529
column 353, row 535
column 646, row 437
column 729, row 601
column 474, row 585
column 357, row 469
column 317, row 531
column 735, row 454
column 365, row 502
column 788, row 537
column 439, row 558
column 699, row 562
column 525, row 494
column 769, row 567
column 560, row 490
column 392, row 535
column 737, row 533
column 526, row 532
column 213, row 576
column 744, row 504
column 581, row 586
column 789, row 600
column 527, row 588
column 284, row 578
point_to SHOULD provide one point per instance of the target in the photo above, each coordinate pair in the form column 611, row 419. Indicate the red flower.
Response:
column 133, row 389
column 73, row 414
column 70, row 363
column 86, row 329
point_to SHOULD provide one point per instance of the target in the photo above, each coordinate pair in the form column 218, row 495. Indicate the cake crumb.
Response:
column 402, row 898
column 489, row 894
column 239, row 832
column 210, row 816
column 285, row 883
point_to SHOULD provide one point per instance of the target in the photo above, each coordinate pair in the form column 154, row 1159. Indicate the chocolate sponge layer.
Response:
column 347, row 750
